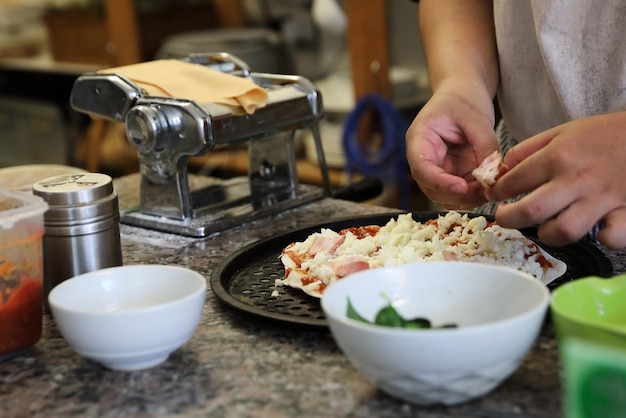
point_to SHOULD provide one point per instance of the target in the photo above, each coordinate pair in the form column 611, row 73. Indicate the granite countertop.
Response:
column 241, row 365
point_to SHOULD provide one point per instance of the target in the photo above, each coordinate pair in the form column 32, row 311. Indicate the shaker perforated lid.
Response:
column 73, row 189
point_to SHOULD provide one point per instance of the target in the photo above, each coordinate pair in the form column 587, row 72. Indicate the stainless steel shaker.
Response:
column 82, row 231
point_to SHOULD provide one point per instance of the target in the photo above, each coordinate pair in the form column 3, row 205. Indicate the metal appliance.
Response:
column 167, row 131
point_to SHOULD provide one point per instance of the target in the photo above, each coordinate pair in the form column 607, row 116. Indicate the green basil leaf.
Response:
column 421, row 323
column 389, row 317
column 353, row 314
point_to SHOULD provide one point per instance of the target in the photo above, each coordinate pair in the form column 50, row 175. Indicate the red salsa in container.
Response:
column 20, row 312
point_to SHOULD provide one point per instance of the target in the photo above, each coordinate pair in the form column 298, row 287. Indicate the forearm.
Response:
column 459, row 42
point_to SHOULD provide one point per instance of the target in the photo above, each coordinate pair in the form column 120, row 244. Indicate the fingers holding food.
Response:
column 490, row 170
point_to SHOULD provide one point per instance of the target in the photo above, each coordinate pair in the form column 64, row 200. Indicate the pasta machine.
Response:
column 167, row 131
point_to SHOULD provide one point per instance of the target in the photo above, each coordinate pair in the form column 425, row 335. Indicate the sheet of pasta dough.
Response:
column 183, row 80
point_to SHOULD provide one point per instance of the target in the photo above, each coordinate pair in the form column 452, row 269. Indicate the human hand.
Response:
column 574, row 173
column 448, row 138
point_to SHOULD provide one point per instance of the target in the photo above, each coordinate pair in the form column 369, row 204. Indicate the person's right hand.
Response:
column 449, row 137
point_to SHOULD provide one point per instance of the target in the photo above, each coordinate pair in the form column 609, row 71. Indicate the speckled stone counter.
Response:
column 240, row 365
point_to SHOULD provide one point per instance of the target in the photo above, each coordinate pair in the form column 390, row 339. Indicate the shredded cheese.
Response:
column 453, row 236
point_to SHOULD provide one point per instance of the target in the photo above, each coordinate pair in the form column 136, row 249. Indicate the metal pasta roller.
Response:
column 167, row 131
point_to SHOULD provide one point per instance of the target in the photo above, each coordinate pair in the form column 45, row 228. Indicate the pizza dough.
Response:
column 327, row 256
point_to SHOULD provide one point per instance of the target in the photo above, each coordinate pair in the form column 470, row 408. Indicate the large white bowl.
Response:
column 129, row 317
column 499, row 312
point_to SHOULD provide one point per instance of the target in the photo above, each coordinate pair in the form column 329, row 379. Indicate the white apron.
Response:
column 559, row 60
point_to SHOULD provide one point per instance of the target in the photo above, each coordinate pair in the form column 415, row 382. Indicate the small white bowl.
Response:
column 130, row 317
column 498, row 312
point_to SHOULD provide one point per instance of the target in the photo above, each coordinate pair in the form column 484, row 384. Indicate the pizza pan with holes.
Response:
column 246, row 279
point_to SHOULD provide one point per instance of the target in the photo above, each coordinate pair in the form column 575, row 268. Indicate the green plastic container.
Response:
column 589, row 316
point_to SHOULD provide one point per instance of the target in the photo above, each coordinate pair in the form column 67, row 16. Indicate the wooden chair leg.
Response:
column 94, row 136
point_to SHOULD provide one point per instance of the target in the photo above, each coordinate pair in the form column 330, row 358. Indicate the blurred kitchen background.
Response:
column 350, row 49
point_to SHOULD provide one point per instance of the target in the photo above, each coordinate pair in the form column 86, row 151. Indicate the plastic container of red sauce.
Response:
column 21, row 270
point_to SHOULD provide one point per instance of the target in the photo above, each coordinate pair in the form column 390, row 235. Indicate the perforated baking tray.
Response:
column 246, row 279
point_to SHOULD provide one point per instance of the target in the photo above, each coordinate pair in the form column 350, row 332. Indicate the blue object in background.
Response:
column 387, row 162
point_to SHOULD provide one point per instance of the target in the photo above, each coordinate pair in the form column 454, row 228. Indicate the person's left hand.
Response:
column 575, row 175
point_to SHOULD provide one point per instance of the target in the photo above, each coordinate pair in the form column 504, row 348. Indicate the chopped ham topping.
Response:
column 326, row 244
column 349, row 266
